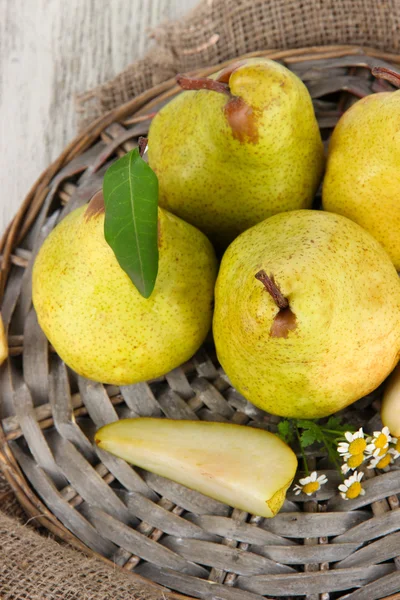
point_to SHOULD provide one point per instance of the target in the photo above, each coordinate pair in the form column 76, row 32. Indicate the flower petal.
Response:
column 348, row 436
column 343, row 488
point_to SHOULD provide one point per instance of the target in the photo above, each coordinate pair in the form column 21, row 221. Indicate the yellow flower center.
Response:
column 357, row 446
column 382, row 451
column 384, row 462
column 381, row 441
column 354, row 490
column 355, row 460
column 311, row 487
column 397, row 446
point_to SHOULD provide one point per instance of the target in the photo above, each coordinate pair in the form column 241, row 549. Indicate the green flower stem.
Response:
column 332, row 453
column 303, row 454
column 340, row 433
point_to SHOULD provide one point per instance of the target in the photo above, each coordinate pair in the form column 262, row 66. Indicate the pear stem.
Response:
column 202, row 83
column 272, row 289
column 142, row 145
column 388, row 74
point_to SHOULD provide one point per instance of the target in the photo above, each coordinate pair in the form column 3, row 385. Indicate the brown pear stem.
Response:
column 202, row 83
column 388, row 74
column 272, row 289
column 142, row 145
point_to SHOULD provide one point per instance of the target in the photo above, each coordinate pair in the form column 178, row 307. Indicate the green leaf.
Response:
column 335, row 424
column 285, row 431
column 307, row 437
column 130, row 190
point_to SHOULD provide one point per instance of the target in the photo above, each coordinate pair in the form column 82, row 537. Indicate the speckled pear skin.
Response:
column 345, row 294
column 96, row 319
column 362, row 181
column 223, row 180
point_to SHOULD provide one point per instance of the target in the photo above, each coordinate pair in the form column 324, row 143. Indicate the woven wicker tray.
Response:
column 324, row 548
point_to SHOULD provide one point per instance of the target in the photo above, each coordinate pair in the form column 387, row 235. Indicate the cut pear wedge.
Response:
column 244, row 467
column 390, row 410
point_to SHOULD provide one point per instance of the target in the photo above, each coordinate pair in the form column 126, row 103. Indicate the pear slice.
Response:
column 247, row 468
column 390, row 410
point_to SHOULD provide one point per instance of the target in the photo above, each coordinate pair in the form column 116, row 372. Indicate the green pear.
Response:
column 242, row 147
column 307, row 314
column 244, row 467
column 362, row 180
column 96, row 319
column 390, row 410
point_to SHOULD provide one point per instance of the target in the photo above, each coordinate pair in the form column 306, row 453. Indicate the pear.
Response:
column 3, row 342
column 94, row 316
column 244, row 467
column 362, row 180
column 307, row 314
column 390, row 410
column 236, row 149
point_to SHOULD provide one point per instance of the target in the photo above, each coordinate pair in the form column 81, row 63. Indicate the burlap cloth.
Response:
column 32, row 565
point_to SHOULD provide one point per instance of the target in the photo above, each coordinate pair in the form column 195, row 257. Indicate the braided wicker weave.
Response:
column 324, row 548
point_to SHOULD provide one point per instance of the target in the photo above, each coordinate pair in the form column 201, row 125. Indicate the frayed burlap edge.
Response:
column 217, row 30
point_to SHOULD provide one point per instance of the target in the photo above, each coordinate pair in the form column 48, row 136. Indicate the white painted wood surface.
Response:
column 51, row 50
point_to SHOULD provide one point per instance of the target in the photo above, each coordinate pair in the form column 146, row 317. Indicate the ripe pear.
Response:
column 307, row 314
column 390, row 410
column 94, row 316
column 237, row 148
column 362, row 180
column 244, row 467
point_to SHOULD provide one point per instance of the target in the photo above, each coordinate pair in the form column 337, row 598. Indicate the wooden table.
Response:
column 50, row 51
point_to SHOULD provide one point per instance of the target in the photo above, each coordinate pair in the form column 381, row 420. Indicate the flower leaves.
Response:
column 130, row 190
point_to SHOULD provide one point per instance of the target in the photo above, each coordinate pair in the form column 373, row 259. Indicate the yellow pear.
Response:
column 362, row 180
column 390, row 410
column 307, row 314
column 244, row 467
column 237, row 148
column 96, row 319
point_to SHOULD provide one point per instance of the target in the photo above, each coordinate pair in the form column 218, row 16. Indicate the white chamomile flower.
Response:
column 311, row 484
column 395, row 449
column 353, row 462
column 381, row 462
column 351, row 488
column 355, row 444
column 378, row 444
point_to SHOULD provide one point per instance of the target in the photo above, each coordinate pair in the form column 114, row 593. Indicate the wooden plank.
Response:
column 371, row 528
column 304, row 555
column 33, row 434
column 138, row 544
column 88, row 482
column 241, row 532
column 67, row 514
column 313, row 583
column 193, row 586
column 97, row 402
column 377, row 488
column 384, row 549
column 301, row 525
column 163, row 519
column 223, row 557
column 50, row 52
column 389, row 584
column 184, row 497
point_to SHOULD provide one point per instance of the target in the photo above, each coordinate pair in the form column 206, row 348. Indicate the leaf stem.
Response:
column 303, row 454
column 331, row 452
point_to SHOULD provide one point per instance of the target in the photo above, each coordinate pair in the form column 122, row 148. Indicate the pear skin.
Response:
column 3, row 343
column 390, row 409
column 244, row 467
column 228, row 159
column 362, row 180
column 307, row 314
column 96, row 319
